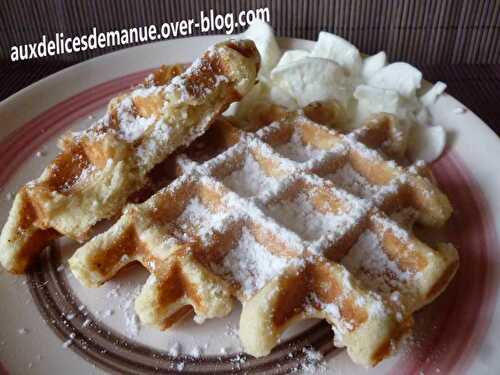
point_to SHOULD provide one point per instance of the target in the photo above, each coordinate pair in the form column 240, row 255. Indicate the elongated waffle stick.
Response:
column 99, row 169
column 295, row 222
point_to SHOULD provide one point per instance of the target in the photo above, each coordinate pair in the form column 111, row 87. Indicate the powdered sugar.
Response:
column 131, row 126
column 82, row 178
column 252, row 265
column 175, row 349
column 149, row 150
column 199, row 217
column 333, row 310
column 301, row 216
column 250, row 180
column 313, row 362
column 146, row 91
column 349, row 179
column 369, row 262
column 135, row 130
column 394, row 229
column 194, row 214
column 367, row 153
column 179, row 366
column 183, row 90
column 196, row 352
column 66, row 344
column 296, row 150
column 126, row 306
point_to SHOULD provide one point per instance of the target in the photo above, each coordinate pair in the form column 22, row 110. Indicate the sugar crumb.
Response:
column 459, row 110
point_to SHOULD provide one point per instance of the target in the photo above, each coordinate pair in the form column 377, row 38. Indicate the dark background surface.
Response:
column 455, row 41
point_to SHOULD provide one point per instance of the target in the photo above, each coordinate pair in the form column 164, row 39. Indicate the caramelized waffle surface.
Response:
column 101, row 168
column 296, row 221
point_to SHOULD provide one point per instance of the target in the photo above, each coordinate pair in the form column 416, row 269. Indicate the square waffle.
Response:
column 296, row 221
column 99, row 169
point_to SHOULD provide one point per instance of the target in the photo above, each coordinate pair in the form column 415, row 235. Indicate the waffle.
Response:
column 296, row 221
column 99, row 169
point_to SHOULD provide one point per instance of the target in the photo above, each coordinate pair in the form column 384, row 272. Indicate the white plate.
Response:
column 455, row 334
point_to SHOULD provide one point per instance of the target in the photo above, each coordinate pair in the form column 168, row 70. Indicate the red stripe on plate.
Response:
column 3, row 369
column 448, row 332
column 22, row 142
